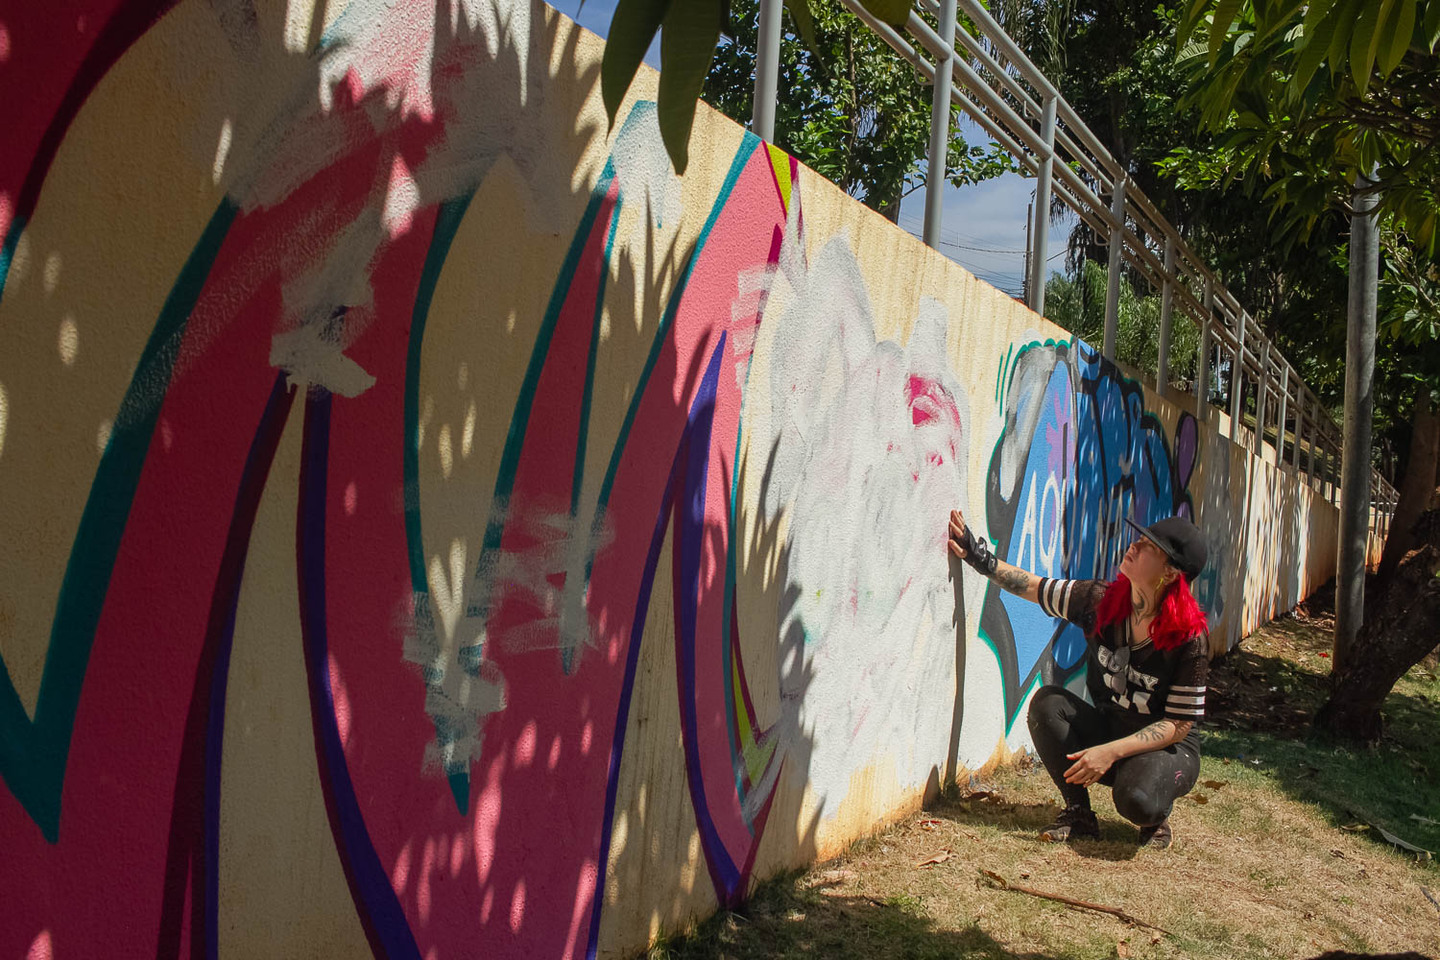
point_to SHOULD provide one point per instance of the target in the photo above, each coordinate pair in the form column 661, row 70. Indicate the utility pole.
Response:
column 1029, row 252
column 1359, row 414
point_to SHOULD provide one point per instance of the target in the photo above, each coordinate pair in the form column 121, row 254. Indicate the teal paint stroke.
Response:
column 447, row 224
column 7, row 250
column 737, row 166
column 33, row 754
column 479, row 606
column 567, row 656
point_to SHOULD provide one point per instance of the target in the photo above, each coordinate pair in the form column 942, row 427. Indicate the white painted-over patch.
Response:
column 310, row 355
column 870, row 456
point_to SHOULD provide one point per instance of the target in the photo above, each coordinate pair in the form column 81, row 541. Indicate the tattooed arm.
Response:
column 1090, row 764
column 974, row 552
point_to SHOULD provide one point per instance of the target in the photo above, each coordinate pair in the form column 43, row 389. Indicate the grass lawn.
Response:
column 1278, row 853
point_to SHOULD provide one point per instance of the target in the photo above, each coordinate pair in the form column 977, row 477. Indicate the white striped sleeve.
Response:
column 1055, row 597
column 1185, row 699
column 1185, row 703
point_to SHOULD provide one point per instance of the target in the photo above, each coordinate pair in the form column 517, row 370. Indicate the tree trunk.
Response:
column 1402, row 621
column 1418, row 486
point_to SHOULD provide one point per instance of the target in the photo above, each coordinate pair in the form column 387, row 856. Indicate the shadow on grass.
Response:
column 790, row 917
column 1263, row 696
column 1023, row 820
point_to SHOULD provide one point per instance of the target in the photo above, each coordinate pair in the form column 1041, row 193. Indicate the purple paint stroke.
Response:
column 380, row 912
column 690, row 528
column 622, row 714
column 227, row 597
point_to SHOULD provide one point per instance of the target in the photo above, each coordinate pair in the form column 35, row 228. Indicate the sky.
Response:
column 982, row 227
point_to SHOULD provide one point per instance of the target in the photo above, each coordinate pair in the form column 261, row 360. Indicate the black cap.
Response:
column 1180, row 539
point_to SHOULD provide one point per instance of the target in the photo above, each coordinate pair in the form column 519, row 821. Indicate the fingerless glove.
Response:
column 977, row 553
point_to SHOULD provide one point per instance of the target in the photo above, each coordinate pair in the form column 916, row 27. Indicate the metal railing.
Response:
column 984, row 71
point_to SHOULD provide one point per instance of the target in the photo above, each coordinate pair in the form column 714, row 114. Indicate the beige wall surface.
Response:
column 430, row 526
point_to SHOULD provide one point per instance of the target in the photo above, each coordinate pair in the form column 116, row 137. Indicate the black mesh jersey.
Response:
column 1139, row 680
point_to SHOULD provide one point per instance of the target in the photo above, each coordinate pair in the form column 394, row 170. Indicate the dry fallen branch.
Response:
column 1419, row 853
column 1082, row 904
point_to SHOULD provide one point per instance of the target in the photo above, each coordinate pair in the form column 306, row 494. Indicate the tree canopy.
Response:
column 689, row 32
column 1307, row 98
column 847, row 106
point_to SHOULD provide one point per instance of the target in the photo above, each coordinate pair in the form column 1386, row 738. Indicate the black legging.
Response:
column 1145, row 785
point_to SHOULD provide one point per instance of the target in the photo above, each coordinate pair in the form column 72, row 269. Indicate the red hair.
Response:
column 1180, row 618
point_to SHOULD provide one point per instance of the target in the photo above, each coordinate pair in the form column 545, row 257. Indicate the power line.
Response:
column 961, row 240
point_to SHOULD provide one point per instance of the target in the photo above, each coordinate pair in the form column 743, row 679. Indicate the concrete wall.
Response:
column 430, row 527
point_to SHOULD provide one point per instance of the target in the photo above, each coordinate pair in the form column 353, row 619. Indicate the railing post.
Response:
column 1237, row 375
column 1330, row 472
column 1117, row 251
column 767, row 70
column 1040, row 234
column 1314, row 419
column 1167, row 311
column 1284, row 404
column 1262, row 398
column 940, row 128
column 1202, row 356
column 1299, row 424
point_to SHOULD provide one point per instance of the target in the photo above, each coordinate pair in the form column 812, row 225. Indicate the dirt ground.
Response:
column 1281, row 851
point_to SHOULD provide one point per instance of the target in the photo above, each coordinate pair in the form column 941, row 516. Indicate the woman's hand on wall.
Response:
column 965, row 547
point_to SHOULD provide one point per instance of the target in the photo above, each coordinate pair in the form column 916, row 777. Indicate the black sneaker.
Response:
column 1073, row 823
column 1159, row 836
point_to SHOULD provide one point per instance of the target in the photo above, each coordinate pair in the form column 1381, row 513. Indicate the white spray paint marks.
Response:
column 461, row 690
column 560, row 546
column 869, row 442
column 642, row 168
column 313, row 354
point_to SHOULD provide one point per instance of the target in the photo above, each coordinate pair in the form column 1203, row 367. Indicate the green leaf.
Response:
column 687, row 45
column 804, row 22
column 1277, row 19
column 632, row 29
column 1365, row 39
column 1319, row 31
column 1344, row 15
column 1432, row 25
column 893, row 12
column 1190, row 19
column 1395, row 38
column 1225, row 12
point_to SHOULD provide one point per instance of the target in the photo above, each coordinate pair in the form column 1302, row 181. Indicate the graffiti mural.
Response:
column 429, row 527
column 1078, row 454
column 308, row 294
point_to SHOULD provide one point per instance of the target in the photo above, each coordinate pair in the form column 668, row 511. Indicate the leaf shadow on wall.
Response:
column 311, row 265
column 598, row 771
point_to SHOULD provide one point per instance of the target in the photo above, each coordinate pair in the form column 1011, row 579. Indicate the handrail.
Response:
column 1005, row 93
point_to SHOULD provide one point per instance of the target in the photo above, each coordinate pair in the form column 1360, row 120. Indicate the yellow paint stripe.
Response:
column 747, row 735
column 757, row 758
column 780, row 161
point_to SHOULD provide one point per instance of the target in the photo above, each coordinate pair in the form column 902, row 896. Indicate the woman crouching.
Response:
column 1147, row 663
